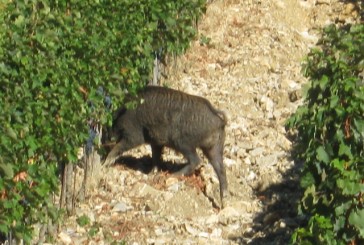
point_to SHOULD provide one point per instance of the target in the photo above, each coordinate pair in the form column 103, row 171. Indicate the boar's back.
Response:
column 173, row 117
column 170, row 116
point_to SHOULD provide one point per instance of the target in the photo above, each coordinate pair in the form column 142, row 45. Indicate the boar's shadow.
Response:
column 145, row 164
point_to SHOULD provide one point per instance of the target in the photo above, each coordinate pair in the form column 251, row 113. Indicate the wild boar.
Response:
column 171, row 118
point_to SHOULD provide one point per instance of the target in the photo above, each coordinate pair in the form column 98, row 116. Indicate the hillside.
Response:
column 247, row 62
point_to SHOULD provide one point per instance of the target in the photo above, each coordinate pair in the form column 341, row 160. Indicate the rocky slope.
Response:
column 247, row 61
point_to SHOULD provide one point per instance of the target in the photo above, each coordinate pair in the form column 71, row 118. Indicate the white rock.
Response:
column 121, row 207
column 174, row 187
column 245, row 145
column 251, row 176
column 100, row 206
column 216, row 232
column 191, row 230
column 277, row 114
column 229, row 162
column 160, row 241
column 247, row 161
column 203, row 234
column 211, row 67
column 65, row 238
column 267, row 161
column 213, row 219
column 159, row 231
column 143, row 190
column 282, row 224
column 80, row 229
column 171, row 181
column 228, row 215
column 257, row 151
column 268, row 102
column 150, row 241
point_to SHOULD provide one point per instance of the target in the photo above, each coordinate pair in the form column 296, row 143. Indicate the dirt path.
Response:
column 248, row 64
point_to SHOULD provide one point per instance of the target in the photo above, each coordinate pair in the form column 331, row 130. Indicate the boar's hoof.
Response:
column 185, row 171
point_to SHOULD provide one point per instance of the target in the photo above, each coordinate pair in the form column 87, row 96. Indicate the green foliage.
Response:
column 204, row 41
column 330, row 128
column 83, row 220
column 58, row 61
column 94, row 229
column 118, row 243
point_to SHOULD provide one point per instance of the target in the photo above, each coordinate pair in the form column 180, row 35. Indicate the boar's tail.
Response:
column 220, row 113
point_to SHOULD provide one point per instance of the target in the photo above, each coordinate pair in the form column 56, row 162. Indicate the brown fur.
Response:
column 167, row 117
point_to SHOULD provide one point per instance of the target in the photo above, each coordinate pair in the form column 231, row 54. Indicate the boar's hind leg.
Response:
column 192, row 161
column 215, row 156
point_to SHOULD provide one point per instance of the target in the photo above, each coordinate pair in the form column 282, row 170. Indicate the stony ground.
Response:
column 247, row 62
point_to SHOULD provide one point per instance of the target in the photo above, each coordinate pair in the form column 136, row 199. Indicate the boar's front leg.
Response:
column 157, row 156
column 114, row 154
column 122, row 146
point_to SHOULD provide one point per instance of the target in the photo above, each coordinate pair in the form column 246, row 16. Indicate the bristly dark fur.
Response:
column 167, row 117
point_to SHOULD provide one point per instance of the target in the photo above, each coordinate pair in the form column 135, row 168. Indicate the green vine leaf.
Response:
column 350, row 187
column 344, row 150
column 60, row 63
column 356, row 218
column 6, row 171
column 330, row 127
column 322, row 155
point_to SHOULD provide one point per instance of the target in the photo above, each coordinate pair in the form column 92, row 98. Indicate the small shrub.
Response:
column 330, row 128
column 58, row 62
